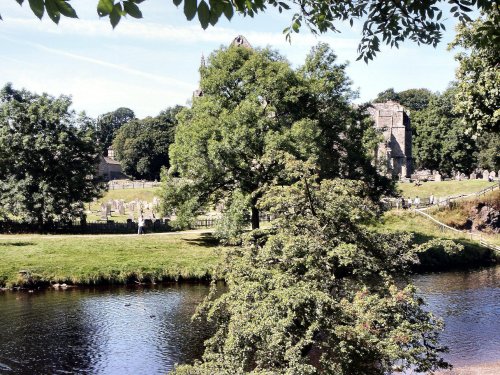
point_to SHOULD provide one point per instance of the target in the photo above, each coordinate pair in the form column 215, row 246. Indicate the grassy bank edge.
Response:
column 38, row 261
column 191, row 257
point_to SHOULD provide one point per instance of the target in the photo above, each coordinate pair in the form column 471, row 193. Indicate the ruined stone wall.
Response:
column 393, row 122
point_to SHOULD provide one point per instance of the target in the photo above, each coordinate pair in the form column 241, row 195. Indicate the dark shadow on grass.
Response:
column 16, row 244
column 205, row 240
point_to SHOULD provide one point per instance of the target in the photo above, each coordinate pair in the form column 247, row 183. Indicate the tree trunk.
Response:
column 255, row 217
column 40, row 223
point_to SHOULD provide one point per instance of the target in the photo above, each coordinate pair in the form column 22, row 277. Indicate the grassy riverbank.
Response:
column 473, row 255
column 105, row 259
column 120, row 259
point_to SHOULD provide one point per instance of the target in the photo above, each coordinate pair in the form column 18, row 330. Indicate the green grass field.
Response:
column 106, row 259
column 443, row 188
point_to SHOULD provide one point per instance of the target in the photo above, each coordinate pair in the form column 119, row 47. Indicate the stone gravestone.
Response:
column 485, row 175
column 121, row 208
column 473, row 176
column 437, row 177
column 492, row 174
column 108, row 209
column 104, row 212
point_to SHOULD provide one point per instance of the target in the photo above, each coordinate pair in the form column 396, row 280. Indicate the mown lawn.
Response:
column 443, row 188
column 105, row 258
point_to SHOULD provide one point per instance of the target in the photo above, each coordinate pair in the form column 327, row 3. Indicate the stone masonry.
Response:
column 392, row 120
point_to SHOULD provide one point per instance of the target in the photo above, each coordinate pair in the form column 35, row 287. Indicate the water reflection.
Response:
column 147, row 330
column 469, row 303
column 126, row 331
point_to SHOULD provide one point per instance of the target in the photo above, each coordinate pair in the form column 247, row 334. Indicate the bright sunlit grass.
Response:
column 106, row 259
column 443, row 188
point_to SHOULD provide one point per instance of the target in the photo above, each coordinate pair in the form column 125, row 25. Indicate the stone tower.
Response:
column 241, row 41
column 393, row 121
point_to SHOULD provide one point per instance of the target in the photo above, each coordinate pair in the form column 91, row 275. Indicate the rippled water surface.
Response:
column 147, row 330
column 469, row 303
column 112, row 331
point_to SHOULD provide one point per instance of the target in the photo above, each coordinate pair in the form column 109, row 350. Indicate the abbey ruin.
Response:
column 393, row 122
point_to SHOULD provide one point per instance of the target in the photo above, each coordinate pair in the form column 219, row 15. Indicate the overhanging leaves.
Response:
column 391, row 22
column 37, row 7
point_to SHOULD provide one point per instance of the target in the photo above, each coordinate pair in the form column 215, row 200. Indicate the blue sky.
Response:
column 150, row 64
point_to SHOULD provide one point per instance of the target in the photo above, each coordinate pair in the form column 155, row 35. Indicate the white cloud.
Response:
column 192, row 34
column 123, row 68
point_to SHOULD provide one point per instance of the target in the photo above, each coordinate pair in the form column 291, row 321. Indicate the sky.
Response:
column 150, row 64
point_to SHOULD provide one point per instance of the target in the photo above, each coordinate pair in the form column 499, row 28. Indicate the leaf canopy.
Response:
column 389, row 22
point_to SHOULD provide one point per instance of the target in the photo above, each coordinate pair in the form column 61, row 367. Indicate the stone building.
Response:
column 109, row 168
column 393, row 121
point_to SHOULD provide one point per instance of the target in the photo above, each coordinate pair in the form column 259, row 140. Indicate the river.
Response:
column 146, row 330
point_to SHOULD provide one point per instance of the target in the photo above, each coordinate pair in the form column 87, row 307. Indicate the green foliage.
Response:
column 338, row 135
column 141, row 146
column 478, row 89
column 255, row 109
column 440, row 141
column 182, row 197
column 488, row 156
column 109, row 123
column 47, row 164
column 235, row 218
column 412, row 99
column 317, row 295
column 382, row 22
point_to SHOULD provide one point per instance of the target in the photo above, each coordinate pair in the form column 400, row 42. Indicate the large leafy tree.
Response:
column 228, row 141
column 318, row 295
column 488, row 156
column 439, row 139
column 255, row 107
column 47, row 163
column 478, row 96
column 109, row 123
column 141, row 146
column 390, row 22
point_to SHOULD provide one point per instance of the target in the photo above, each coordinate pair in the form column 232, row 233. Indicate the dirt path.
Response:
column 56, row 236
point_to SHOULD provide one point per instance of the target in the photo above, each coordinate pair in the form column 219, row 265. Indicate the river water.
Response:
column 138, row 330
